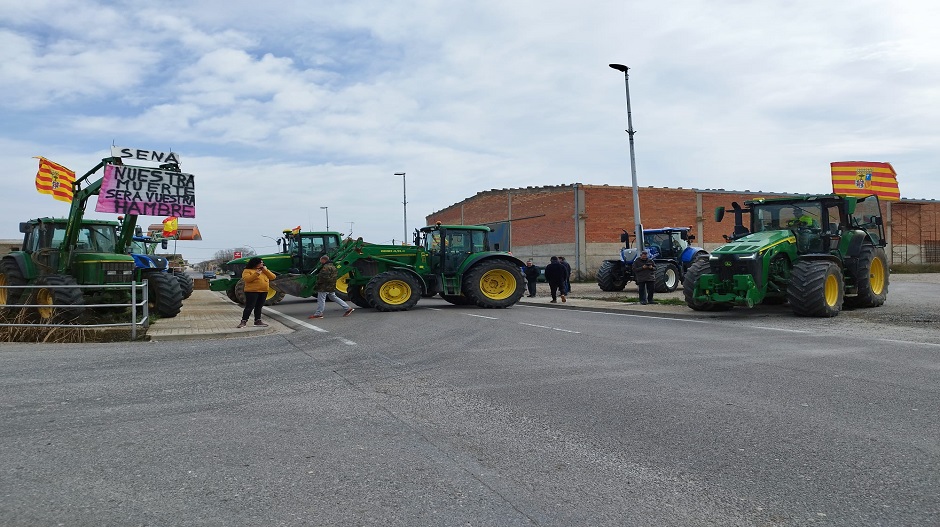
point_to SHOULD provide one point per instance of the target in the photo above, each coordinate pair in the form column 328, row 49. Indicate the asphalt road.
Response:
column 457, row 416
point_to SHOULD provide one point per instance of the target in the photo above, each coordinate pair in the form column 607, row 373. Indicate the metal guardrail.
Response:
column 143, row 305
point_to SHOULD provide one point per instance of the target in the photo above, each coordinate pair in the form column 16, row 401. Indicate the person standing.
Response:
column 532, row 272
column 257, row 280
column 566, row 287
column 555, row 275
column 326, row 288
column 644, row 274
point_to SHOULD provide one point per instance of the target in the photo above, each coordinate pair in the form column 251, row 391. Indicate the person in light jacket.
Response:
column 257, row 280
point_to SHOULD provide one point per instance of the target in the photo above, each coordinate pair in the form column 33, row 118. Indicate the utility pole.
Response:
column 638, row 225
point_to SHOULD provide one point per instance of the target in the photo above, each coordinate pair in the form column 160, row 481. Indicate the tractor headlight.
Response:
column 752, row 256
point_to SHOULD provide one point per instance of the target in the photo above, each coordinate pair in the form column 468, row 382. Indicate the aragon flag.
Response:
column 54, row 179
column 865, row 178
column 170, row 226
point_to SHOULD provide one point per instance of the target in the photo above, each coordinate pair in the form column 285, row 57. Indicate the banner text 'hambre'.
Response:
column 147, row 192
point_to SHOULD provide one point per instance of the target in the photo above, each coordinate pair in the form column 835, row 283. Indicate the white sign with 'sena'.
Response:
column 144, row 155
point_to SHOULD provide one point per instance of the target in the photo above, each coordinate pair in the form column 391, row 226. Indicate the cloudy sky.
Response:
column 282, row 107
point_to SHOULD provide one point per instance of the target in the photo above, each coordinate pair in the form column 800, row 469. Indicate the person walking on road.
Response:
column 644, row 274
column 257, row 280
column 326, row 288
column 566, row 287
column 555, row 275
column 531, row 276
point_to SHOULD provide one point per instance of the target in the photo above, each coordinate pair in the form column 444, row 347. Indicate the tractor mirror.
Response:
column 850, row 203
column 163, row 244
column 624, row 238
column 495, row 246
column 24, row 227
column 719, row 214
column 876, row 220
column 138, row 230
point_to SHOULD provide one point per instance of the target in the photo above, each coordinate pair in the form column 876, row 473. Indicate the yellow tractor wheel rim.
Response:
column 498, row 284
column 342, row 284
column 4, row 296
column 395, row 292
column 877, row 276
column 832, row 290
column 44, row 297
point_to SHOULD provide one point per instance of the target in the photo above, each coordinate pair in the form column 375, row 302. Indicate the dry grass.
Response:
column 63, row 335
column 914, row 268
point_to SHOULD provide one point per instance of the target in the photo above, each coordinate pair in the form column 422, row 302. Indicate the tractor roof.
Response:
column 666, row 229
column 797, row 199
column 482, row 228
column 85, row 221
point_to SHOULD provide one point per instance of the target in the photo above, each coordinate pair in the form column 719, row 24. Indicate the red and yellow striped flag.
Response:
column 865, row 178
column 54, row 179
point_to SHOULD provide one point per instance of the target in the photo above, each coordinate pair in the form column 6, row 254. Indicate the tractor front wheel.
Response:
column 356, row 297
column 10, row 275
column 816, row 288
column 667, row 277
column 494, row 284
column 274, row 296
column 871, row 279
column 164, row 295
column 610, row 276
column 59, row 305
column 692, row 276
column 393, row 291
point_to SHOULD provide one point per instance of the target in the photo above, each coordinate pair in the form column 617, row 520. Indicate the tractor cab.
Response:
column 449, row 246
column 306, row 248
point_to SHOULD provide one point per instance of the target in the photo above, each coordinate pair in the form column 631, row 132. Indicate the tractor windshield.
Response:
column 776, row 216
column 96, row 239
column 867, row 216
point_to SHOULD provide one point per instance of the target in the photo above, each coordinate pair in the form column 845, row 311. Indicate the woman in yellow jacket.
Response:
column 257, row 278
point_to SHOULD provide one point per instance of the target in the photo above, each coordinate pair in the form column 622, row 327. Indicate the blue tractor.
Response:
column 670, row 247
column 146, row 262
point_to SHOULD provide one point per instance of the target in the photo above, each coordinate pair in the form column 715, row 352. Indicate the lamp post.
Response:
column 404, row 202
column 638, row 225
column 327, row 209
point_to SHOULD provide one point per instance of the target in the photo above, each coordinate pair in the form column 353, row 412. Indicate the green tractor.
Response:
column 299, row 253
column 60, row 254
column 817, row 252
column 452, row 261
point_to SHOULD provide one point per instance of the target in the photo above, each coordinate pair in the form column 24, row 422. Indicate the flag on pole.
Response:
column 296, row 230
column 865, row 178
column 54, row 179
column 170, row 226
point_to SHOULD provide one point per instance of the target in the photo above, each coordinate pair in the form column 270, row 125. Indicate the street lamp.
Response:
column 327, row 209
column 404, row 202
column 638, row 225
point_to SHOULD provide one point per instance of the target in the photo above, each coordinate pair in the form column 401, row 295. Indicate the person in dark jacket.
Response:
column 532, row 272
column 644, row 274
column 566, row 287
column 555, row 276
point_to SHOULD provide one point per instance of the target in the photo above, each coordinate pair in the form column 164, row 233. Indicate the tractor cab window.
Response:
column 96, row 238
column 662, row 241
column 311, row 248
column 867, row 216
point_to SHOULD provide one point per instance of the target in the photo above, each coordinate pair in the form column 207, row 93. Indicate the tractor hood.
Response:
column 756, row 242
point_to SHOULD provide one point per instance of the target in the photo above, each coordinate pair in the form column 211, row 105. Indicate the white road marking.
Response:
column 480, row 316
column 779, row 329
column 296, row 320
column 549, row 327
column 910, row 342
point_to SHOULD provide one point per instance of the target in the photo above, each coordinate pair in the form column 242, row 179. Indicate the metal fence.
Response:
column 139, row 304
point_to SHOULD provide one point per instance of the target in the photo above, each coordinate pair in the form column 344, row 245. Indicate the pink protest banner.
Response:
column 147, row 192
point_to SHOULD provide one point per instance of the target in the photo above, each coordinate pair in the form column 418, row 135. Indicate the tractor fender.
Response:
column 858, row 239
column 690, row 254
column 23, row 261
column 820, row 257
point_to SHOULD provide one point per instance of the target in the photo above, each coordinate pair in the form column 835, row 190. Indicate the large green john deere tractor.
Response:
column 299, row 254
column 453, row 261
column 815, row 252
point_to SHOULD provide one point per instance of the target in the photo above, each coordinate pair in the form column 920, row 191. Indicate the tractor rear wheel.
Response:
column 610, row 276
column 816, row 288
column 356, row 297
column 165, row 297
column 393, row 291
column 667, row 277
column 60, row 305
column 186, row 284
column 10, row 275
column 493, row 284
column 692, row 276
column 872, row 279
column 274, row 296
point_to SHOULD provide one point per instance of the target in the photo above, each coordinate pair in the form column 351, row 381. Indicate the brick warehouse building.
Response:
column 584, row 222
